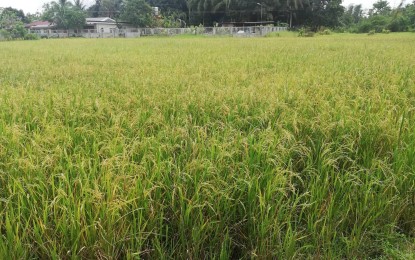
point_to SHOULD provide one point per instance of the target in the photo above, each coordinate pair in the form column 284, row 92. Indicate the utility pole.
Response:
column 261, row 9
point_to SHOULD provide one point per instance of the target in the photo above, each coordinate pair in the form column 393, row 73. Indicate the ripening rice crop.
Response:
column 208, row 148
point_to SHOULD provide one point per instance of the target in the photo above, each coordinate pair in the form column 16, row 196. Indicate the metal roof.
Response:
column 99, row 20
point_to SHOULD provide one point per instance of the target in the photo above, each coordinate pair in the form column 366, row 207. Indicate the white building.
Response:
column 105, row 24
column 101, row 24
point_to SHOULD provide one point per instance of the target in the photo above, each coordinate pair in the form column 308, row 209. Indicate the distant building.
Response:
column 105, row 24
column 247, row 24
column 40, row 26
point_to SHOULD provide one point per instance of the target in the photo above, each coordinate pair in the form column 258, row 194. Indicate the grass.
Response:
column 208, row 148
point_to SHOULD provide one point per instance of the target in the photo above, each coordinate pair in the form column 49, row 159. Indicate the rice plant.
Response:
column 208, row 148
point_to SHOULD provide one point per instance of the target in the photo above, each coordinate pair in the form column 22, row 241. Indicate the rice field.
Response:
column 208, row 148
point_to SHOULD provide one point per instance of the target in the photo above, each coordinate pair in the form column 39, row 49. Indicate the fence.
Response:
column 133, row 33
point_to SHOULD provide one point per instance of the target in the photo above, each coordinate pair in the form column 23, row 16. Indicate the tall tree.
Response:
column 79, row 4
column 110, row 8
column 64, row 14
column 94, row 10
column 18, row 13
column 11, row 25
column 137, row 13
column 381, row 7
column 325, row 13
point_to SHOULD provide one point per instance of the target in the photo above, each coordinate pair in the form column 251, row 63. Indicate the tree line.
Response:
column 312, row 14
column 380, row 18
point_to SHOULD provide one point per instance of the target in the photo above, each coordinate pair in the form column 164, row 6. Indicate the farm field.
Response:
column 208, row 148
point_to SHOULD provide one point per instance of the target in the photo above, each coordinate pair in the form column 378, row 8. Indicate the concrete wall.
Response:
column 110, row 31
column 105, row 28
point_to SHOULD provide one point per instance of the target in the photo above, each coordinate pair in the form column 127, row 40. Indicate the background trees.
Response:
column 12, row 23
column 381, row 18
column 313, row 14
column 64, row 14
column 137, row 13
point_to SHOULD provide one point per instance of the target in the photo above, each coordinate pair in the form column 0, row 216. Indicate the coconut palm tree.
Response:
column 294, row 5
column 79, row 4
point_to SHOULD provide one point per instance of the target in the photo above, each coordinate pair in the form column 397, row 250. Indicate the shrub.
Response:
column 272, row 34
column 303, row 32
column 363, row 27
column 371, row 32
column 6, row 35
column 31, row 36
column 385, row 31
column 200, row 29
column 379, row 23
column 18, row 32
column 399, row 24
column 325, row 32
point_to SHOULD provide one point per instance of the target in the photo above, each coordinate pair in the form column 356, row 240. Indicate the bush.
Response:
column 385, row 31
column 200, row 29
column 325, row 32
column 272, row 34
column 303, row 32
column 6, row 35
column 18, row 32
column 376, row 23
column 379, row 23
column 363, row 27
column 399, row 24
column 371, row 32
column 283, row 25
column 31, row 36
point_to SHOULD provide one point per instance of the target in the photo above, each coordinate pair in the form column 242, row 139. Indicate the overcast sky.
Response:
column 31, row 6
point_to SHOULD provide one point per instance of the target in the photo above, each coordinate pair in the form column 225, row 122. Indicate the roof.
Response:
column 99, row 20
column 247, row 23
column 39, row 25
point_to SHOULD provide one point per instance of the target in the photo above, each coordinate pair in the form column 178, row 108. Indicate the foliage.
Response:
column 31, row 36
column 199, row 29
column 11, row 25
column 34, row 17
column 305, row 32
column 79, row 4
column 5, row 35
column 381, row 7
column 353, row 14
column 171, row 20
column 400, row 19
column 209, row 12
column 180, row 13
column 399, row 23
column 19, row 14
column 64, row 15
column 272, row 34
column 137, row 13
column 95, row 9
column 139, row 149
column 324, row 13
column 324, row 31
column 110, row 8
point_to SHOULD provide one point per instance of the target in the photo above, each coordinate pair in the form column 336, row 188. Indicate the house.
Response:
column 101, row 24
column 40, row 26
column 105, row 24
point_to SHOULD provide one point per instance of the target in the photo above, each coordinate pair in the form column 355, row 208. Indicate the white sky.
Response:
column 32, row 6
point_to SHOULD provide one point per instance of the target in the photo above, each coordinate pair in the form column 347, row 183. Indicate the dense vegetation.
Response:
column 381, row 18
column 188, row 148
column 310, row 14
